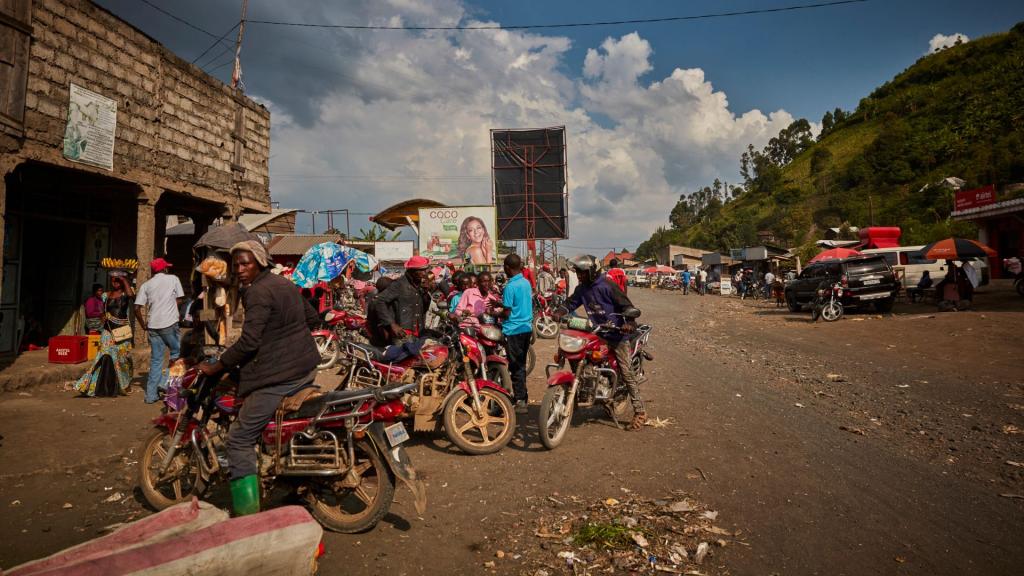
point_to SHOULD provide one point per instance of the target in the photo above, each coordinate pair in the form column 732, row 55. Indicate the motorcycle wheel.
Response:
column 545, row 327
column 552, row 422
column 1020, row 287
column 498, row 372
column 349, row 509
column 832, row 311
column 531, row 360
column 815, row 312
column 476, row 436
column 620, row 408
column 328, row 352
column 183, row 480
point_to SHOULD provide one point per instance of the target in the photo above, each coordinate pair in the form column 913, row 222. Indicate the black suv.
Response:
column 869, row 280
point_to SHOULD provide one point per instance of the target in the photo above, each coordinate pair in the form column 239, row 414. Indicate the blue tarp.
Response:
column 325, row 262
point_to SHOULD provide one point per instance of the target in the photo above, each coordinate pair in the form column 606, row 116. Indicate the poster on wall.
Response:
column 393, row 251
column 461, row 233
column 92, row 123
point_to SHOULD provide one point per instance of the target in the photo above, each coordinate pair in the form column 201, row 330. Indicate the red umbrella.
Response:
column 835, row 254
column 662, row 269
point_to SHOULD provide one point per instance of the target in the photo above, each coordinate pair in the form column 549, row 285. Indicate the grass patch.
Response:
column 604, row 535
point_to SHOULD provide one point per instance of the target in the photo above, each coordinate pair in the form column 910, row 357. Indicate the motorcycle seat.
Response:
column 313, row 406
column 372, row 351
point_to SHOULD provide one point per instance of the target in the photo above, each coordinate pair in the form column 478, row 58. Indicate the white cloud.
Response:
column 415, row 123
column 941, row 41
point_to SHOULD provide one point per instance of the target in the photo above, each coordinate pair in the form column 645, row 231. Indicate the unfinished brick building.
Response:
column 183, row 144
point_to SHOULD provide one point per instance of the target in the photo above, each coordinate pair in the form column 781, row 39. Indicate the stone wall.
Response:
column 175, row 124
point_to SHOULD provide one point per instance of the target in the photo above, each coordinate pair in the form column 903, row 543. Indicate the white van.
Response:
column 912, row 262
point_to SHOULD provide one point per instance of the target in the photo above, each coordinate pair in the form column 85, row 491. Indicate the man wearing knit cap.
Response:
column 162, row 293
column 275, row 355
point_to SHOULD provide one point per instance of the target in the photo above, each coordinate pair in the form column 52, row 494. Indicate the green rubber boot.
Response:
column 245, row 495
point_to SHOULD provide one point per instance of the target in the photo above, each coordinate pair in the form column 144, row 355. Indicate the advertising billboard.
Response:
column 461, row 233
column 392, row 251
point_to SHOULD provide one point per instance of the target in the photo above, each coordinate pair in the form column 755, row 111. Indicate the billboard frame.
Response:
column 529, row 212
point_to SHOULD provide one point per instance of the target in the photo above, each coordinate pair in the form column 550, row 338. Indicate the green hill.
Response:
column 958, row 112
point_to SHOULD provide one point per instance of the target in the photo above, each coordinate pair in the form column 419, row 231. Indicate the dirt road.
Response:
column 868, row 446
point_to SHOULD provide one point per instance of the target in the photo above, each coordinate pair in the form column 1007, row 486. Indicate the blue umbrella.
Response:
column 326, row 261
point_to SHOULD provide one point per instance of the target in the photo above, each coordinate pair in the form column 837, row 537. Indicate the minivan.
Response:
column 913, row 263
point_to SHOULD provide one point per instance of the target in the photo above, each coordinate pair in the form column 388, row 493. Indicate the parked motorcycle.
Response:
column 828, row 303
column 476, row 413
column 544, row 324
column 586, row 374
column 341, row 451
column 338, row 325
column 492, row 339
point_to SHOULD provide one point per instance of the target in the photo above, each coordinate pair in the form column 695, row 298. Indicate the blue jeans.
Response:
column 159, row 340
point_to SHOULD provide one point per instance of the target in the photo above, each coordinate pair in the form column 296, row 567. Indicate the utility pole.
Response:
column 236, row 73
column 237, row 165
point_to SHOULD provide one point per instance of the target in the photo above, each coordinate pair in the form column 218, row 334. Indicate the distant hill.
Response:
column 958, row 112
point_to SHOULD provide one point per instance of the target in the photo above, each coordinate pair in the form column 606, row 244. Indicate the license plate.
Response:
column 875, row 296
column 396, row 434
column 871, row 282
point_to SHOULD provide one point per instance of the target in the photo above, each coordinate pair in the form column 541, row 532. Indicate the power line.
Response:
column 219, row 40
column 568, row 24
column 178, row 18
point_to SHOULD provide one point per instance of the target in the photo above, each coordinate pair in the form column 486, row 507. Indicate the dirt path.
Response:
column 896, row 468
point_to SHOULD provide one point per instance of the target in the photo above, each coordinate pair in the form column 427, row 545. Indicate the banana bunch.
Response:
column 127, row 263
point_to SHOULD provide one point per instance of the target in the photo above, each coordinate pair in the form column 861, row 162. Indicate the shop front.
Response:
column 1000, row 227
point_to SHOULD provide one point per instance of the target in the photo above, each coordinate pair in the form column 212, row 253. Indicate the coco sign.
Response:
column 967, row 199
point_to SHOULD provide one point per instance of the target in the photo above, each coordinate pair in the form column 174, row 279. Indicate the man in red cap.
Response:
column 163, row 294
column 401, row 309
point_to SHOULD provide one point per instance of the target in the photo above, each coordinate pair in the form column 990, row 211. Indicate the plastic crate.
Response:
column 68, row 349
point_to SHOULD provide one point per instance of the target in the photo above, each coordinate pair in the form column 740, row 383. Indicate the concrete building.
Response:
column 679, row 256
column 104, row 133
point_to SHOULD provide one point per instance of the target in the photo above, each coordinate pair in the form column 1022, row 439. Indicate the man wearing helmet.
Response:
column 605, row 302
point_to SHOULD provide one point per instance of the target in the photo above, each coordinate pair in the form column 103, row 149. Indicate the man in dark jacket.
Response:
column 276, row 356
column 604, row 302
column 401, row 309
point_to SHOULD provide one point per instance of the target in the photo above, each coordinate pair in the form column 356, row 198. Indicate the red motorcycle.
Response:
column 340, row 451
column 586, row 374
column 338, row 326
column 476, row 413
column 544, row 305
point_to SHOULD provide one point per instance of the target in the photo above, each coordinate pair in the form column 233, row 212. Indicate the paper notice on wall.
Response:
column 92, row 123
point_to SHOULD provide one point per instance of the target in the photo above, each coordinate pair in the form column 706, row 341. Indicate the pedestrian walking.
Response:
column 161, row 294
column 686, row 282
column 516, row 310
column 702, row 282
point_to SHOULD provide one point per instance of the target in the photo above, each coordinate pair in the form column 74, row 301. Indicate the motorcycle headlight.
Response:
column 329, row 316
column 570, row 344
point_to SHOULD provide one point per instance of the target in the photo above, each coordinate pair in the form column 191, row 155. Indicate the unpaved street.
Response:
column 874, row 445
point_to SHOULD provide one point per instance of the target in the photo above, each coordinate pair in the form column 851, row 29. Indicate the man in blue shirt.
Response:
column 517, row 311
column 686, row 282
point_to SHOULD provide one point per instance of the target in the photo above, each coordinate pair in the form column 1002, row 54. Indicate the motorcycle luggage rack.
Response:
column 323, row 459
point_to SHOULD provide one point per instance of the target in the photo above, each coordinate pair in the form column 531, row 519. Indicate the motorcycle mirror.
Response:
column 631, row 313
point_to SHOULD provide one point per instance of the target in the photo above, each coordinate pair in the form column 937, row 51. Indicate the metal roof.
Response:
column 395, row 216
column 997, row 209
column 292, row 244
column 253, row 221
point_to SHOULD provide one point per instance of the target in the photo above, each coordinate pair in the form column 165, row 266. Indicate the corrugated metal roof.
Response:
column 292, row 244
column 997, row 209
column 253, row 221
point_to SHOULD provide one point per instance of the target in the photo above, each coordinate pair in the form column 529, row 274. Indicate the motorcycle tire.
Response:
column 531, row 360
column 330, row 506
column 479, row 436
column 498, row 373
column 329, row 352
column 815, row 312
column 188, row 480
column 621, row 408
column 832, row 311
column 545, row 327
column 553, row 425
column 1020, row 287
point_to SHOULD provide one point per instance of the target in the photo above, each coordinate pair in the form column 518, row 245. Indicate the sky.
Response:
column 363, row 119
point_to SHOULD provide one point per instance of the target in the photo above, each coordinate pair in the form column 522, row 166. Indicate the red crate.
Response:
column 69, row 349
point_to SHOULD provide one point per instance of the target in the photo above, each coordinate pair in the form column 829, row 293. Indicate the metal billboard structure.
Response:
column 529, row 185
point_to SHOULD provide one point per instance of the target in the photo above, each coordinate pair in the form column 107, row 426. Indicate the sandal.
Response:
column 638, row 421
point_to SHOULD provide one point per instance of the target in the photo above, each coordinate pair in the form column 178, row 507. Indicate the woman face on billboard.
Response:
column 474, row 241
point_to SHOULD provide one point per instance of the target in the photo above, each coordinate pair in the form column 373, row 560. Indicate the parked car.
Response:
column 637, row 277
column 913, row 263
column 865, row 279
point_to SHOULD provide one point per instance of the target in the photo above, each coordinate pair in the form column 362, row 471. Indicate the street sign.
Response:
column 967, row 199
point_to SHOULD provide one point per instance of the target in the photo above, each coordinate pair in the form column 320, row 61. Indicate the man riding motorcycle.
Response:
column 276, row 356
column 604, row 302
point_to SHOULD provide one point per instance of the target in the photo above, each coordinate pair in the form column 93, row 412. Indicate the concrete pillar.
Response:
column 145, row 236
column 7, row 166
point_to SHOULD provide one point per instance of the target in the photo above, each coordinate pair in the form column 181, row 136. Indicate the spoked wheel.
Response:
column 832, row 311
column 482, row 433
column 555, row 415
column 545, row 327
column 182, row 479
column 328, row 349
column 357, row 501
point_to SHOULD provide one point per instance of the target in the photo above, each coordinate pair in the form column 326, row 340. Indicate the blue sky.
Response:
column 364, row 119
